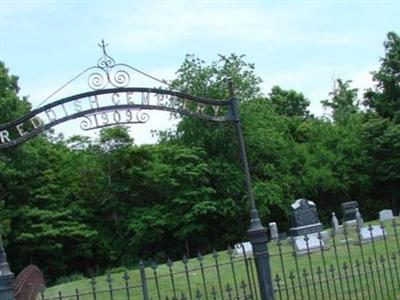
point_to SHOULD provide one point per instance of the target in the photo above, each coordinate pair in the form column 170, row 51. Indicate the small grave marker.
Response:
column 349, row 212
column 376, row 232
column 273, row 229
column 386, row 214
column 246, row 249
column 311, row 245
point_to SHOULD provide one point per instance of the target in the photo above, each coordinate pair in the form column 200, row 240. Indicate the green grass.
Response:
column 380, row 281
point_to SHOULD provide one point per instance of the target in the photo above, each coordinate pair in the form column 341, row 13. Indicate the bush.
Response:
column 69, row 278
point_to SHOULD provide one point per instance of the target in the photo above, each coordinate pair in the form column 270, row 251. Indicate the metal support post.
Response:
column 6, row 276
column 143, row 281
column 257, row 233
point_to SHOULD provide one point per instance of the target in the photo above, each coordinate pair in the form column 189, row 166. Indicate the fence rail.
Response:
column 221, row 275
column 356, row 263
column 341, row 264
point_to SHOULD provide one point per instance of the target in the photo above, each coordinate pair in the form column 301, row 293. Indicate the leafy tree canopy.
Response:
column 343, row 101
column 289, row 102
column 385, row 97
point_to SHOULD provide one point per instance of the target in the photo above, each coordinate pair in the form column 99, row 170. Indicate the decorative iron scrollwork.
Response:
column 119, row 78
column 142, row 116
column 107, row 72
column 86, row 123
column 97, row 80
column 105, row 61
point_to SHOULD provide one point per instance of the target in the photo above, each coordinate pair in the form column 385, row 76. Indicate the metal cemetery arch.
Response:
column 121, row 104
column 129, row 100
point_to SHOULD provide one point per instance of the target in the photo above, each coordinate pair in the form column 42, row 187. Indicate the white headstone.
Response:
column 359, row 219
column 376, row 232
column 314, row 244
column 386, row 214
column 335, row 222
column 273, row 229
column 247, row 248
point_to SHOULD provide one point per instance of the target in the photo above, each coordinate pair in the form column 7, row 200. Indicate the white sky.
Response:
column 299, row 45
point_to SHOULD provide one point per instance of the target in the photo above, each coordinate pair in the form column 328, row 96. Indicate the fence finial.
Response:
column 6, row 276
column 359, row 219
column 334, row 223
column 4, row 267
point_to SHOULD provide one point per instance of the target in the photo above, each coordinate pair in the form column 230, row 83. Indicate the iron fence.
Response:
column 354, row 262
column 333, row 264
column 221, row 275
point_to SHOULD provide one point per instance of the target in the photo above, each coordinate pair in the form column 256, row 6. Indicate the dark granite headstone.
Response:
column 349, row 211
column 304, row 218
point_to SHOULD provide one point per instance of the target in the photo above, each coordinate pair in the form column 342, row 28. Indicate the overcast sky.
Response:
column 301, row 45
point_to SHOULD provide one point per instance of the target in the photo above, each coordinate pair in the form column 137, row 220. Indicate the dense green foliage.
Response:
column 80, row 205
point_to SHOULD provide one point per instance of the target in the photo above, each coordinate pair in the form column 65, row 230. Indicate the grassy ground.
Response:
column 344, row 270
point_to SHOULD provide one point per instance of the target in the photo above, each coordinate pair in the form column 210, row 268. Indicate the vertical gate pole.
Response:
column 6, row 276
column 143, row 281
column 257, row 233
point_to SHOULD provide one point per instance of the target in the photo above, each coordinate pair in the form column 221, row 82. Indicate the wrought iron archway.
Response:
column 112, row 101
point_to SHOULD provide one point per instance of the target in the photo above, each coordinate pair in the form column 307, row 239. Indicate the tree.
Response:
column 295, row 157
column 384, row 99
column 114, row 137
column 343, row 101
column 289, row 102
column 174, row 183
column 219, row 140
column 199, row 79
column 11, row 105
column 48, row 217
column 381, row 139
column 210, row 81
column 381, row 130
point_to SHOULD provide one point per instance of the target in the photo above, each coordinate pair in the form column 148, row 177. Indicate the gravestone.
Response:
column 311, row 244
column 304, row 218
column 29, row 284
column 376, row 232
column 335, row 222
column 273, row 229
column 386, row 214
column 349, row 212
column 246, row 249
column 359, row 219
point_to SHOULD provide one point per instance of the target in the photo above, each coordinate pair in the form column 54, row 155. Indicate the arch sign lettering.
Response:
column 111, row 101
